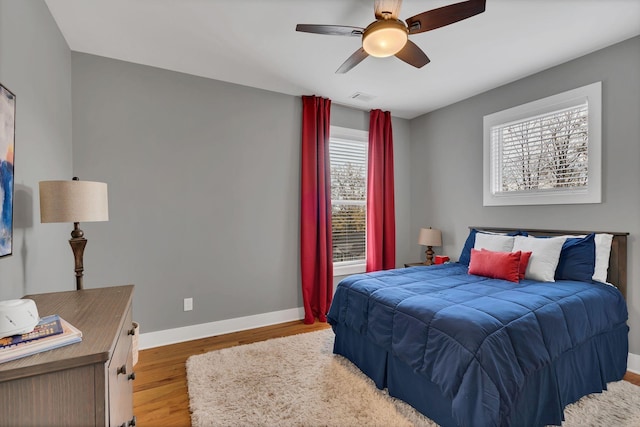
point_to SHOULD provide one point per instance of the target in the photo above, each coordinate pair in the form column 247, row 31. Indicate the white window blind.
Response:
column 545, row 152
column 348, row 157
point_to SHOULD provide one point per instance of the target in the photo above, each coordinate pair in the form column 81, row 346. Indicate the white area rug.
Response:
column 298, row 381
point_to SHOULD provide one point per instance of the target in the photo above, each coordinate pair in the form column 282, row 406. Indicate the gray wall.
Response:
column 35, row 64
column 203, row 189
column 446, row 161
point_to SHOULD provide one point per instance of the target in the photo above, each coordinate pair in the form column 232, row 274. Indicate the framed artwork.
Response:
column 7, row 144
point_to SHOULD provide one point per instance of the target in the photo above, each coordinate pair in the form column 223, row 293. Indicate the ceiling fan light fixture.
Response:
column 385, row 37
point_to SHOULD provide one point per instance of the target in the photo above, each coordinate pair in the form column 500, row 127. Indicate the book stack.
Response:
column 51, row 332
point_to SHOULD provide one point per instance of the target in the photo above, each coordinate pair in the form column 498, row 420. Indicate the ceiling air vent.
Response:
column 359, row 96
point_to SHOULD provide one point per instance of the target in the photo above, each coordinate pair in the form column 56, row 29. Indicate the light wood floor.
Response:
column 160, row 395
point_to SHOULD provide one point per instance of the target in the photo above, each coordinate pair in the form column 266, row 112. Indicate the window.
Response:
column 348, row 155
column 545, row 152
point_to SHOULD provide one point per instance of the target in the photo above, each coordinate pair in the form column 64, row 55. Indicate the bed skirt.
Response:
column 583, row 370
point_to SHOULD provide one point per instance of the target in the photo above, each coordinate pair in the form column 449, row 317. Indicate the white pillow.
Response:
column 603, row 250
column 494, row 242
column 545, row 254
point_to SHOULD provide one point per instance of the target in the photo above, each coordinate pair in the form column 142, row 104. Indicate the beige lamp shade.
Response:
column 73, row 201
column 430, row 237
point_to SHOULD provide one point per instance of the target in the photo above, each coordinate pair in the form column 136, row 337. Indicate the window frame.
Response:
column 343, row 268
column 592, row 94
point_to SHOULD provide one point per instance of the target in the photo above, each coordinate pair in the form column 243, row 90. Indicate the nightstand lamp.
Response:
column 429, row 237
column 74, row 201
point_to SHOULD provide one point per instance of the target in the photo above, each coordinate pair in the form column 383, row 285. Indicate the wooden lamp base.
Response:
column 429, row 258
column 78, row 242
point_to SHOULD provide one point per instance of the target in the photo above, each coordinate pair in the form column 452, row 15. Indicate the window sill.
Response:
column 340, row 269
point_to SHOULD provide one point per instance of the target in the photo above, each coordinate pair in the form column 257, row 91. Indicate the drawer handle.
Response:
column 122, row 370
column 132, row 376
column 131, row 331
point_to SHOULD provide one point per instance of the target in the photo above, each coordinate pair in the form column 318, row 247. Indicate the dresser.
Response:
column 83, row 384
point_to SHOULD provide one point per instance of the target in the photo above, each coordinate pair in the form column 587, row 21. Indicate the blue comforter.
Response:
column 476, row 338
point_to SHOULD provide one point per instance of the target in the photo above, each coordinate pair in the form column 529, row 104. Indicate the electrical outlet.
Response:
column 188, row 304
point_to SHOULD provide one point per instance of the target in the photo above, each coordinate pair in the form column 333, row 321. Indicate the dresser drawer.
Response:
column 123, row 343
column 121, row 376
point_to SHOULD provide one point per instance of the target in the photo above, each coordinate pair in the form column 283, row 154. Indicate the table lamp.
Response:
column 74, row 201
column 429, row 237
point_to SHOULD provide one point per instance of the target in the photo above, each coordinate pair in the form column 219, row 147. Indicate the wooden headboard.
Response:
column 617, row 273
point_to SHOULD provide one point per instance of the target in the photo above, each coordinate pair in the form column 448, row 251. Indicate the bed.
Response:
column 471, row 350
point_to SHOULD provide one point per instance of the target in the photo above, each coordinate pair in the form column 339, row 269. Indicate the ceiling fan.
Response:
column 388, row 35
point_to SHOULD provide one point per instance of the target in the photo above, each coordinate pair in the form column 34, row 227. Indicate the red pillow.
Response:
column 524, row 262
column 497, row 265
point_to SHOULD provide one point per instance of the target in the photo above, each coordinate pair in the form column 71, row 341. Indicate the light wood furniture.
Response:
column 83, row 384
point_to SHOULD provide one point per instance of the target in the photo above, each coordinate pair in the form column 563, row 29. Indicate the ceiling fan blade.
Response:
column 413, row 55
column 436, row 18
column 333, row 30
column 352, row 61
column 389, row 6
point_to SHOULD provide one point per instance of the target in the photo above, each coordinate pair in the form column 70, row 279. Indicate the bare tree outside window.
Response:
column 348, row 200
column 547, row 152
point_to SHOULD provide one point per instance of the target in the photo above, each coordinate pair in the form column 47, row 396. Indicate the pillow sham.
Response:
column 465, row 254
column 603, row 252
column 577, row 259
column 545, row 254
column 494, row 242
column 496, row 265
column 524, row 262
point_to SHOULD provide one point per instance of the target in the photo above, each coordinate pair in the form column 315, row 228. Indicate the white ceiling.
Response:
column 254, row 43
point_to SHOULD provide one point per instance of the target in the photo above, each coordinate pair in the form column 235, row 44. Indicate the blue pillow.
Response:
column 465, row 255
column 577, row 259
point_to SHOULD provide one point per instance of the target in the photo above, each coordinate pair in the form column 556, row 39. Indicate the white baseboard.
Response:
column 633, row 363
column 204, row 330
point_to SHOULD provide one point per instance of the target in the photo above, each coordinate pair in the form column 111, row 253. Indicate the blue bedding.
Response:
column 477, row 339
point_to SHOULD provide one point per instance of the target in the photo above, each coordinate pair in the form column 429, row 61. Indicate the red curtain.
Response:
column 381, row 223
column 316, row 255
